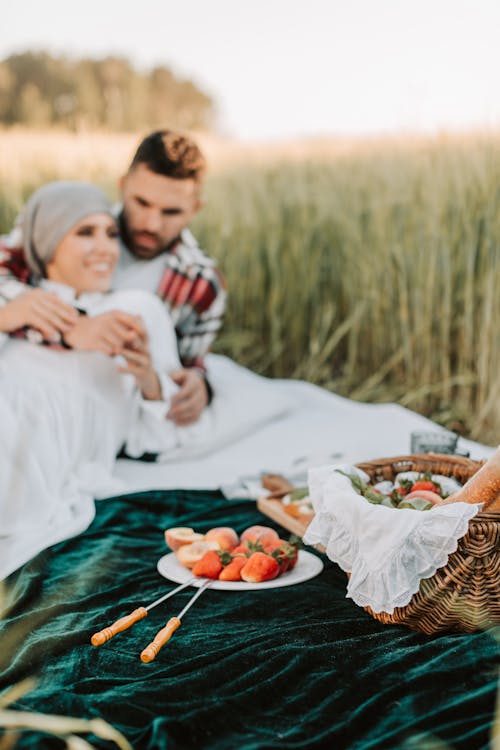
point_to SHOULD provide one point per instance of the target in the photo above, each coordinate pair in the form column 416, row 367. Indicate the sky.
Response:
column 281, row 69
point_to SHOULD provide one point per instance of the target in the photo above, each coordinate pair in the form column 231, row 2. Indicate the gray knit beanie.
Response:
column 51, row 212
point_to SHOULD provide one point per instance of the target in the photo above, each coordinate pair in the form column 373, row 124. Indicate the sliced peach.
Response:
column 225, row 536
column 189, row 554
column 176, row 537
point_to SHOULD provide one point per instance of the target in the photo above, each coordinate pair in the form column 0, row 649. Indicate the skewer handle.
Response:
column 162, row 636
column 117, row 627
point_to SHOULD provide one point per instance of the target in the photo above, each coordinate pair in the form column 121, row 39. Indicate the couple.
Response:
column 115, row 380
column 161, row 193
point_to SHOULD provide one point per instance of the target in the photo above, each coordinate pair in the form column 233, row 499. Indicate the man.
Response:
column 161, row 194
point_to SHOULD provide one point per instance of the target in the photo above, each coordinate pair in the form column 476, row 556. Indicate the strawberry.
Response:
column 241, row 549
column 282, row 551
column 292, row 562
column 260, row 567
column 267, row 545
column 425, row 485
column 232, row 572
column 209, row 566
column 248, row 547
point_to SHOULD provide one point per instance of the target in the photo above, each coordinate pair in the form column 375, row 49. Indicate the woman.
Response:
column 65, row 414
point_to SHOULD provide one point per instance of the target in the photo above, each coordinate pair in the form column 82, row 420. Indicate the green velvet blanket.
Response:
column 297, row 667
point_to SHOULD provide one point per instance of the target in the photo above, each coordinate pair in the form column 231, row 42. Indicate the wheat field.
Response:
column 369, row 267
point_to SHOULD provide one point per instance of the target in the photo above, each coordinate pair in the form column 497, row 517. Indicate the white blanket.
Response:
column 258, row 425
column 287, row 426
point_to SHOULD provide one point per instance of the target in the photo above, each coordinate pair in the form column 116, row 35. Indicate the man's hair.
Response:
column 170, row 154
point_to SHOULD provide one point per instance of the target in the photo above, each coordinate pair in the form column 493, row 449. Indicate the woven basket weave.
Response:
column 464, row 595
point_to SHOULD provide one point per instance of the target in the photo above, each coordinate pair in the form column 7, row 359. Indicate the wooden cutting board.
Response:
column 275, row 510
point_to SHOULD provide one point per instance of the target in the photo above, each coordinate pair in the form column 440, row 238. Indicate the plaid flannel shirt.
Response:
column 191, row 286
column 194, row 291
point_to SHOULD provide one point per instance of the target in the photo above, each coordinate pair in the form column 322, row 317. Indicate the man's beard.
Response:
column 144, row 252
column 150, row 249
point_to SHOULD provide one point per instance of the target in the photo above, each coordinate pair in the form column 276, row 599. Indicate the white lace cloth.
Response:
column 387, row 551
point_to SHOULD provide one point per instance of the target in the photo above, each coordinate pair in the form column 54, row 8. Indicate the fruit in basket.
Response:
column 232, row 571
column 225, row 536
column 431, row 497
column 189, row 554
column 176, row 537
column 416, row 503
column 425, row 485
column 260, row 567
column 409, row 490
column 258, row 534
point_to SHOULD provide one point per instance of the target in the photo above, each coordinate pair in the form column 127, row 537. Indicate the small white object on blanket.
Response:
column 387, row 551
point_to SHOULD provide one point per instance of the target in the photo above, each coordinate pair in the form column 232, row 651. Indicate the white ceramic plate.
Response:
column 308, row 566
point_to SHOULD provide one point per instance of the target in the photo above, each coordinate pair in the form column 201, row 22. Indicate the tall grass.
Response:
column 372, row 268
column 376, row 274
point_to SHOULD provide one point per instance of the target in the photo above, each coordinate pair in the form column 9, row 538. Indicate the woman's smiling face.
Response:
column 87, row 255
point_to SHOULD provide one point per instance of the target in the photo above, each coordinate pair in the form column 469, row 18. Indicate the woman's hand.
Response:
column 139, row 365
column 38, row 309
column 108, row 333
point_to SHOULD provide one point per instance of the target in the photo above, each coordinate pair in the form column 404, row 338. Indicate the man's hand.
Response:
column 189, row 402
column 108, row 333
column 38, row 309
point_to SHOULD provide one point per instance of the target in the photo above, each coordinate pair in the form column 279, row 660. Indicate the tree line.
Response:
column 40, row 90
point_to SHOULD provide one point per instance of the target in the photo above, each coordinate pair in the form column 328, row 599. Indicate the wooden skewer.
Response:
column 128, row 620
column 165, row 634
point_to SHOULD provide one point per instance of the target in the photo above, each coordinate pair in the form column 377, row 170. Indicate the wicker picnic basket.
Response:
column 464, row 595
